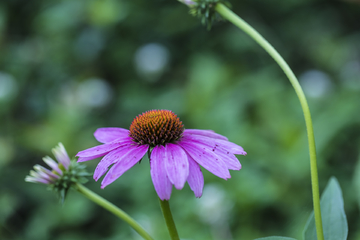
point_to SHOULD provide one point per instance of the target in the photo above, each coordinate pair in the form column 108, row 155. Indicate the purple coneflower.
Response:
column 176, row 153
column 46, row 176
column 63, row 173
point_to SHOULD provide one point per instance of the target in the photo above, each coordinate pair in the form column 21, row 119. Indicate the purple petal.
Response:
column 195, row 178
column 129, row 159
column 228, row 146
column 36, row 177
column 158, row 173
column 206, row 158
column 52, row 164
column 206, row 133
column 106, row 135
column 176, row 164
column 36, row 180
column 103, row 149
column 232, row 147
column 228, row 158
column 84, row 159
column 45, row 173
column 219, row 148
column 111, row 158
column 61, row 155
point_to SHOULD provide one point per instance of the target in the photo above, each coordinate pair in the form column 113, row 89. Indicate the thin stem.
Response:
column 240, row 23
column 113, row 209
column 165, row 208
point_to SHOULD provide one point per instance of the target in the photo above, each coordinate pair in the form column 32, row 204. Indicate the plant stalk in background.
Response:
column 240, row 23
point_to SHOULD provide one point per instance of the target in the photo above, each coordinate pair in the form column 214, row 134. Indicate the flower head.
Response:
column 63, row 174
column 205, row 9
column 176, row 153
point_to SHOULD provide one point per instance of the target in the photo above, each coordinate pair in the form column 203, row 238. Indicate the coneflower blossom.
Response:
column 63, row 173
column 46, row 176
column 176, row 153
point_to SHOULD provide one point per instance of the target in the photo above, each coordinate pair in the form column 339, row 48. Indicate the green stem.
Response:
column 113, row 209
column 165, row 208
column 240, row 23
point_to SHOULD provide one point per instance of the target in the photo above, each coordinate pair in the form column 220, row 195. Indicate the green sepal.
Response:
column 205, row 10
column 75, row 174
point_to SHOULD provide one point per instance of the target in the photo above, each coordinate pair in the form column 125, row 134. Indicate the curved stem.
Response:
column 113, row 209
column 165, row 208
column 240, row 23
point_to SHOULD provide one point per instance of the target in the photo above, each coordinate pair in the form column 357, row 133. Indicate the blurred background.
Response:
column 69, row 67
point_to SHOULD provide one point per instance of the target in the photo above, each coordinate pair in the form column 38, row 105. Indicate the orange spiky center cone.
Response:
column 156, row 127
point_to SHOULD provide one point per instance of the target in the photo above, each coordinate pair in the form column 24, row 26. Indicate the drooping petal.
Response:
column 231, row 147
column 52, row 164
column 103, row 149
column 222, row 149
column 228, row 158
column 206, row 133
column 84, row 159
column 158, row 173
column 109, row 134
column 129, row 159
column 228, row 146
column 110, row 158
column 206, row 158
column 176, row 164
column 195, row 178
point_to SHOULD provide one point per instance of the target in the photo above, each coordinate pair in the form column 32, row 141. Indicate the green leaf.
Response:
column 333, row 215
column 275, row 238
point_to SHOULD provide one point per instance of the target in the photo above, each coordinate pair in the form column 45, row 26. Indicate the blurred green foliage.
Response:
column 68, row 67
